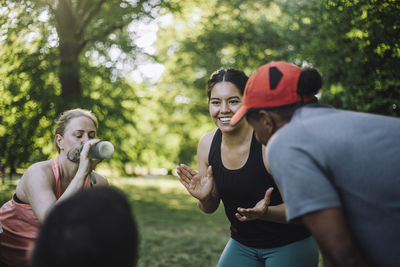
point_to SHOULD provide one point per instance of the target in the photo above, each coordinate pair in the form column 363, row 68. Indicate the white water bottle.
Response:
column 101, row 150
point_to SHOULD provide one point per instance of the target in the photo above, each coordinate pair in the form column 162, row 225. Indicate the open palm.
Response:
column 258, row 211
column 197, row 185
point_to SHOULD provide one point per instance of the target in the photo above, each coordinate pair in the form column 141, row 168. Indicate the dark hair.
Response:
column 94, row 227
column 309, row 84
column 237, row 77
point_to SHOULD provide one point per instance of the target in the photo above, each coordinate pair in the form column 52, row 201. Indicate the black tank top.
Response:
column 244, row 187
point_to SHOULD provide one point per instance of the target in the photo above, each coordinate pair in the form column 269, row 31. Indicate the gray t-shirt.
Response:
column 325, row 158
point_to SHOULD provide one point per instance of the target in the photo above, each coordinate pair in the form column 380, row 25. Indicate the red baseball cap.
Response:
column 273, row 85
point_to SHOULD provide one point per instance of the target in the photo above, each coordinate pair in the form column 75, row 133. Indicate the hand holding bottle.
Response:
column 101, row 150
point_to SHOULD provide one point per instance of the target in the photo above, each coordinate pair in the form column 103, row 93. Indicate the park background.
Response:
column 142, row 68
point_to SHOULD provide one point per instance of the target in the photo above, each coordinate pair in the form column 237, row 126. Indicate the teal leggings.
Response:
column 303, row 253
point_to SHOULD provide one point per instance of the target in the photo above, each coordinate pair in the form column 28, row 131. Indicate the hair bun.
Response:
column 310, row 82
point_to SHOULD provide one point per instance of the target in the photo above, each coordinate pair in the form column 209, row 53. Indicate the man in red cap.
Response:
column 338, row 171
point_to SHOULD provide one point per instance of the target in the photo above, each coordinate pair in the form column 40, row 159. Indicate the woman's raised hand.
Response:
column 86, row 165
column 198, row 186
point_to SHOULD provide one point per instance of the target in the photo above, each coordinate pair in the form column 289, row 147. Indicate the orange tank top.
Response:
column 21, row 226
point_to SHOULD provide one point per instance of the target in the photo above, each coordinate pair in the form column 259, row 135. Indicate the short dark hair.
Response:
column 94, row 227
column 237, row 77
column 310, row 82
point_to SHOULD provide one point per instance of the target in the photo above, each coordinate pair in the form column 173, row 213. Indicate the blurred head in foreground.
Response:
column 94, row 227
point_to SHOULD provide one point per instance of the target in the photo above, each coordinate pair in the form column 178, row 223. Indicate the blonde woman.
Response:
column 46, row 183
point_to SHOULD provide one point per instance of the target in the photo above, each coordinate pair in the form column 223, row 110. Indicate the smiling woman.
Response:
column 232, row 170
column 224, row 101
column 46, row 183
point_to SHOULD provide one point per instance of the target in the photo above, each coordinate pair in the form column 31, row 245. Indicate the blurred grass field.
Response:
column 173, row 230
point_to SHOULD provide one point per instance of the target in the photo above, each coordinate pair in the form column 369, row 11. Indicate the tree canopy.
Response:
column 354, row 44
column 57, row 55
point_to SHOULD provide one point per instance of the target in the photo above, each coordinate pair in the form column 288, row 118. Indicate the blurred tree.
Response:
column 60, row 54
column 355, row 44
column 203, row 37
column 57, row 55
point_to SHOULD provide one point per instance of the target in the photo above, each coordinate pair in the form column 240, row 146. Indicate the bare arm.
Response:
column 86, row 165
column 38, row 185
column 334, row 238
column 276, row 213
column 211, row 203
column 201, row 184
column 38, row 190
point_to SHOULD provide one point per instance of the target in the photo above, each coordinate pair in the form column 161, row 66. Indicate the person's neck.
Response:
column 277, row 121
column 240, row 135
column 279, row 124
column 67, row 168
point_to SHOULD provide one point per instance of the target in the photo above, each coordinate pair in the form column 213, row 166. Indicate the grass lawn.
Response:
column 174, row 232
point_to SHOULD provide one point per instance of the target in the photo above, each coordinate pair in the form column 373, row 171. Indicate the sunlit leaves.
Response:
column 354, row 44
column 41, row 42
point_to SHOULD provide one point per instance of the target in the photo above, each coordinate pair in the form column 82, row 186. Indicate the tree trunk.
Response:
column 69, row 47
column 69, row 75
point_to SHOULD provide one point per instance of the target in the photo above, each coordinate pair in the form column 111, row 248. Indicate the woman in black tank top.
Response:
column 232, row 170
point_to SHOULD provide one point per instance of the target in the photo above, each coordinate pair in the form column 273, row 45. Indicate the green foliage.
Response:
column 355, row 46
column 26, row 86
column 6, row 190
column 56, row 55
